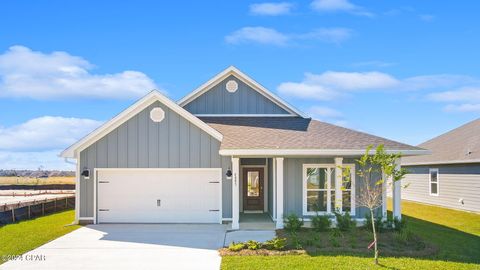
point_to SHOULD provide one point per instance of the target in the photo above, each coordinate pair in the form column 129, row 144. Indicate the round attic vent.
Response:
column 157, row 114
column 232, row 86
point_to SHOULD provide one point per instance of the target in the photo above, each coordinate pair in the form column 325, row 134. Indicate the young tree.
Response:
column 374, row 170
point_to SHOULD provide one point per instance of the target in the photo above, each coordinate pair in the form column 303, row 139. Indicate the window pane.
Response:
column 332, row 201
column 347, row 201
column 316, row 201
column 433, row 176
column 316, row 178
column 253, row 185
column 332, row 179
column 434, row 188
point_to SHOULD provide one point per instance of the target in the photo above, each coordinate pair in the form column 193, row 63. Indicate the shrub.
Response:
column 336, row 233
column 236, row 246
column 378, row 223
column 407, row 237
column 399, row 225
column 321, row 223
column 345, row 221
column 296, row 244
column 276, row 243
column 293, row 223
column 334, row 241
column 253, row 245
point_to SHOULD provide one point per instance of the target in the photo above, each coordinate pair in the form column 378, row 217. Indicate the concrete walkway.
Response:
column 122, row 246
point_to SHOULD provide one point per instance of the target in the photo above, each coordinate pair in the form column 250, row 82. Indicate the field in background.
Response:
column 14, row 180
column 24, row 236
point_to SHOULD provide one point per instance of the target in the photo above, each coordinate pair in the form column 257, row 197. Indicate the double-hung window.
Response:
column 348, row 192
column 434, row 182
column 319, row 188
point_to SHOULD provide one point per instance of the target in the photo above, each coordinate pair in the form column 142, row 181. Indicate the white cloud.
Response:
column 331, row 84
column 374, row 63
column 321, row 112
column 45, row 133
column 464, row 99
column 270, row 36
column 339, row 5
column 438, row 81
column 467, row 107
column 427, row 17
column 335, row 35
column 353, row 80
column 261, row 35
column 37, row 75
column 327, row 114
column 49, row 160
column 271, row 9
column 467, row 94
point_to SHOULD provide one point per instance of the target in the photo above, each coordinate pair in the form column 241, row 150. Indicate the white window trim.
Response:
column 430, row 181
column 330, row 168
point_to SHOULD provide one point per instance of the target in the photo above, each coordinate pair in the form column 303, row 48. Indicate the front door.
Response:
column 253, row 189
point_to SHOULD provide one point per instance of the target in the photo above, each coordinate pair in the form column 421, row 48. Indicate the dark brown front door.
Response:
column 253, row 189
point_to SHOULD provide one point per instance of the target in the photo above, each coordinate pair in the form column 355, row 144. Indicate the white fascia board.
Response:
column 247, row 80
column 310, row 152
column 441, row 162
column 141, row 104
column 245, row 115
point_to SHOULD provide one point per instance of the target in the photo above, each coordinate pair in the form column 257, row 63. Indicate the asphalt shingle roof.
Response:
column 293, row 133
column 460, row 144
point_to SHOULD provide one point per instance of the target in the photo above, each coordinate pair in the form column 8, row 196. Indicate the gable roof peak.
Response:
column 232, row 70
column 134, row 109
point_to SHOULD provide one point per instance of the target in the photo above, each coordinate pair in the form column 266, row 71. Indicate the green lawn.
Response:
column 455, row 233
column 24, row 236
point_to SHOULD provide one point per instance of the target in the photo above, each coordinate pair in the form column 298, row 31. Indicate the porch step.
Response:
column 257, row 226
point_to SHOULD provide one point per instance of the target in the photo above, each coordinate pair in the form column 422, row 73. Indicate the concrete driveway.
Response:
column 128, row 246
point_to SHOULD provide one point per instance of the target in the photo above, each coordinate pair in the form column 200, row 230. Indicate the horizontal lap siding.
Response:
column 244, row 101
column 142, row 143
column 452, row 187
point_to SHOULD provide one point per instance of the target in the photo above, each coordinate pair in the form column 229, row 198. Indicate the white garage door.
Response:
column 159, row 196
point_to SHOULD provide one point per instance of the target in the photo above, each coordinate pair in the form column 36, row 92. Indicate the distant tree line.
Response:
column 37, row 173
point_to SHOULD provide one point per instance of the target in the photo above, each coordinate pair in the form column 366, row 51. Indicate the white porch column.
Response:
column 279, row 174
column 235, row 193
column 397, row 195
column 338, row 184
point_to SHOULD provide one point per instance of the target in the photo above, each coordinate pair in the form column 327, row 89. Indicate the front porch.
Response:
column 266, row 188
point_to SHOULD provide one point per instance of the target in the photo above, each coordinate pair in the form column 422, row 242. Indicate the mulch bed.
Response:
column 355, row 242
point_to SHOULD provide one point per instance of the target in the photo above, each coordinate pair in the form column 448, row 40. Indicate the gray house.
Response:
column 226, row 152
column 450, row 176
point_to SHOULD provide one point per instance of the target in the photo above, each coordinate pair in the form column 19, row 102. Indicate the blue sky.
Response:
column 405, row 70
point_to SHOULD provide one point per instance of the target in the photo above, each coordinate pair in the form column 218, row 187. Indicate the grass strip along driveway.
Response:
column 21, row 237
column 456, row 235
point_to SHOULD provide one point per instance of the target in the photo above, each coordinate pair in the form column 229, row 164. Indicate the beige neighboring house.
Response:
column 450, row 176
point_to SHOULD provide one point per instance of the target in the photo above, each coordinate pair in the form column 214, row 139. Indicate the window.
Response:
column 347, row 202
column 434, row 184
column 319, row 189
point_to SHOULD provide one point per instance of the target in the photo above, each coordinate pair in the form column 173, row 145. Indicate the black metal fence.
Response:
column 13, row 212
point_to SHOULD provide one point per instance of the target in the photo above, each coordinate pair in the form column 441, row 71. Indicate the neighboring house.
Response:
column 227, row 151
column 450, row 176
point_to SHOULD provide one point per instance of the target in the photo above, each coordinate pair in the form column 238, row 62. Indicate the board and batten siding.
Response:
column 243, row 101
column 141, row 143
column 293, row 184
column 456, row 182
